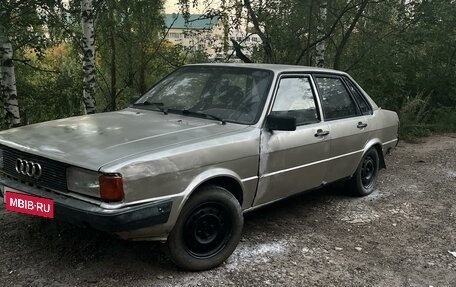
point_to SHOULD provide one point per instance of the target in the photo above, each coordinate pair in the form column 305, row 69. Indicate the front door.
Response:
column 293, row 161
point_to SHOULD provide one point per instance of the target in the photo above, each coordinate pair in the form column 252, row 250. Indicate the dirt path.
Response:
column 402, row 235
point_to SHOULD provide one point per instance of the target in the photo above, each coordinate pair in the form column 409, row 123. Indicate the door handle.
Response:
column 361, row 125
column 321, row 133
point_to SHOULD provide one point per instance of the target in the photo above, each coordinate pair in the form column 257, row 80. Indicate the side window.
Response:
column 295, row 98
column 362, row 102
column 336, row 101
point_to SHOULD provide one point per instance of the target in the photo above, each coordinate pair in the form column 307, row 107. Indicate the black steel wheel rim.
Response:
column 368, row 171
column 207, row 230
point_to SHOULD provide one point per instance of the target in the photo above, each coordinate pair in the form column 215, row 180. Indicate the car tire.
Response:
column 207, row 231
column 364, row 180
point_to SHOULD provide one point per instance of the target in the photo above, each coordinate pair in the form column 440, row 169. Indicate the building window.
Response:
column 174, row 35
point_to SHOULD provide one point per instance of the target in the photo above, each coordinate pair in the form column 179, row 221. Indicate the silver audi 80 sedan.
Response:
column 201, row 147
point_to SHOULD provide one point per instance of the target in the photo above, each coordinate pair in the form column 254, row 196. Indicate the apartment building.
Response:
column 203, row 33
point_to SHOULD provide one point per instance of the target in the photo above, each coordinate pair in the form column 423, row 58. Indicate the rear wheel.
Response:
column 364, row 180
column 207, row 231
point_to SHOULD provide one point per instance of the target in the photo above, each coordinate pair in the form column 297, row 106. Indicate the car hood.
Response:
column 94, row 140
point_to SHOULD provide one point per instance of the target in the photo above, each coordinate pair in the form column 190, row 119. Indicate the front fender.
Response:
column 204, row 177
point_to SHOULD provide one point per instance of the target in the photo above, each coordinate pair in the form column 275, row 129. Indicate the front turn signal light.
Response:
column 111, row 187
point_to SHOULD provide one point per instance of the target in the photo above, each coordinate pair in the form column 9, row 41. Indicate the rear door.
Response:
column 347, row 125
column 293, row 161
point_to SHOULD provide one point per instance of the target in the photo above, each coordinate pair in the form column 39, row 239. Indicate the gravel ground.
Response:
column 404, row 234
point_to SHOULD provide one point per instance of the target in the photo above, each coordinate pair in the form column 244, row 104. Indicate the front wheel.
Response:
column 364, row 180
column 207, row 230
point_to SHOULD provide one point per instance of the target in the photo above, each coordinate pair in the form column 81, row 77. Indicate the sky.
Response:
column 171, row 6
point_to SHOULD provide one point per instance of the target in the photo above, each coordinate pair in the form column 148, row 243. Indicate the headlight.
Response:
column 83, row 181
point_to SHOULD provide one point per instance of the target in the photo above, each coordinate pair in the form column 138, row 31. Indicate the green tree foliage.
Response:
column 406, row 60
column 54, row 90
column 22, row 22
column 402, row 52
column 133, row 53
column 129, row 40
column 27, row 26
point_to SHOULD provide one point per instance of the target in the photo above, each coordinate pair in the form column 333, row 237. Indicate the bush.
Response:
column 413, row 117
column 419, row 119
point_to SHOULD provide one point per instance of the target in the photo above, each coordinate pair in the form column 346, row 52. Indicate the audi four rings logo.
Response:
column 28, row 168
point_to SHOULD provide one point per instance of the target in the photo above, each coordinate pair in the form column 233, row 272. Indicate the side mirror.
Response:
column 134, row 99
column 281, row 123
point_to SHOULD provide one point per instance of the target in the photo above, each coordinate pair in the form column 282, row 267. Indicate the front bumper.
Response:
column 85, row 214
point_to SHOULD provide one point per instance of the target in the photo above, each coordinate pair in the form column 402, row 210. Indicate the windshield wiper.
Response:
column 158, row 105
column 204, row 115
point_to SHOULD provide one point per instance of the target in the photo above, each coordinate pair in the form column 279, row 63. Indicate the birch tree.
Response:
column 321, row 46
column 88, row 60
column 8, row 83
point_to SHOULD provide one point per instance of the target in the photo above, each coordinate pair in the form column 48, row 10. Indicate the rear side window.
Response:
column 360, row 99
column 336, row 100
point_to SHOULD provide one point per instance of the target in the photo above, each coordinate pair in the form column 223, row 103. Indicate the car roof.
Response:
column 280, row 68
column 277, row 68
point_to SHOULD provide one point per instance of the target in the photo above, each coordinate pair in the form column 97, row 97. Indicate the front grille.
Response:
column 53, row 174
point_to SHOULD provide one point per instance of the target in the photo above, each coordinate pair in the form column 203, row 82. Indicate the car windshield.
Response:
column 231, row 94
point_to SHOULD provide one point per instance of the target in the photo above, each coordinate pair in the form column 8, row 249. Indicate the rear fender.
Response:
column 377, row 144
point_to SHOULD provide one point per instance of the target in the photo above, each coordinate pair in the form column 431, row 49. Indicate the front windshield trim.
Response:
column 269, row 77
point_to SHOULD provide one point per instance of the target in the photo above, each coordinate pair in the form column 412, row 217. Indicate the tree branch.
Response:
column 238, row 48
column 26, row 62
column 347, row 34
column 267, row 45
column 327, row 35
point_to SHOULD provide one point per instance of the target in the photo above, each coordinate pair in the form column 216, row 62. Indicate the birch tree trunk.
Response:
column 321, row 46
column 8, row 84
column 112, row 41
column 310, row 32
column 88, row 56
column 226, row 28
column 401, row 11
